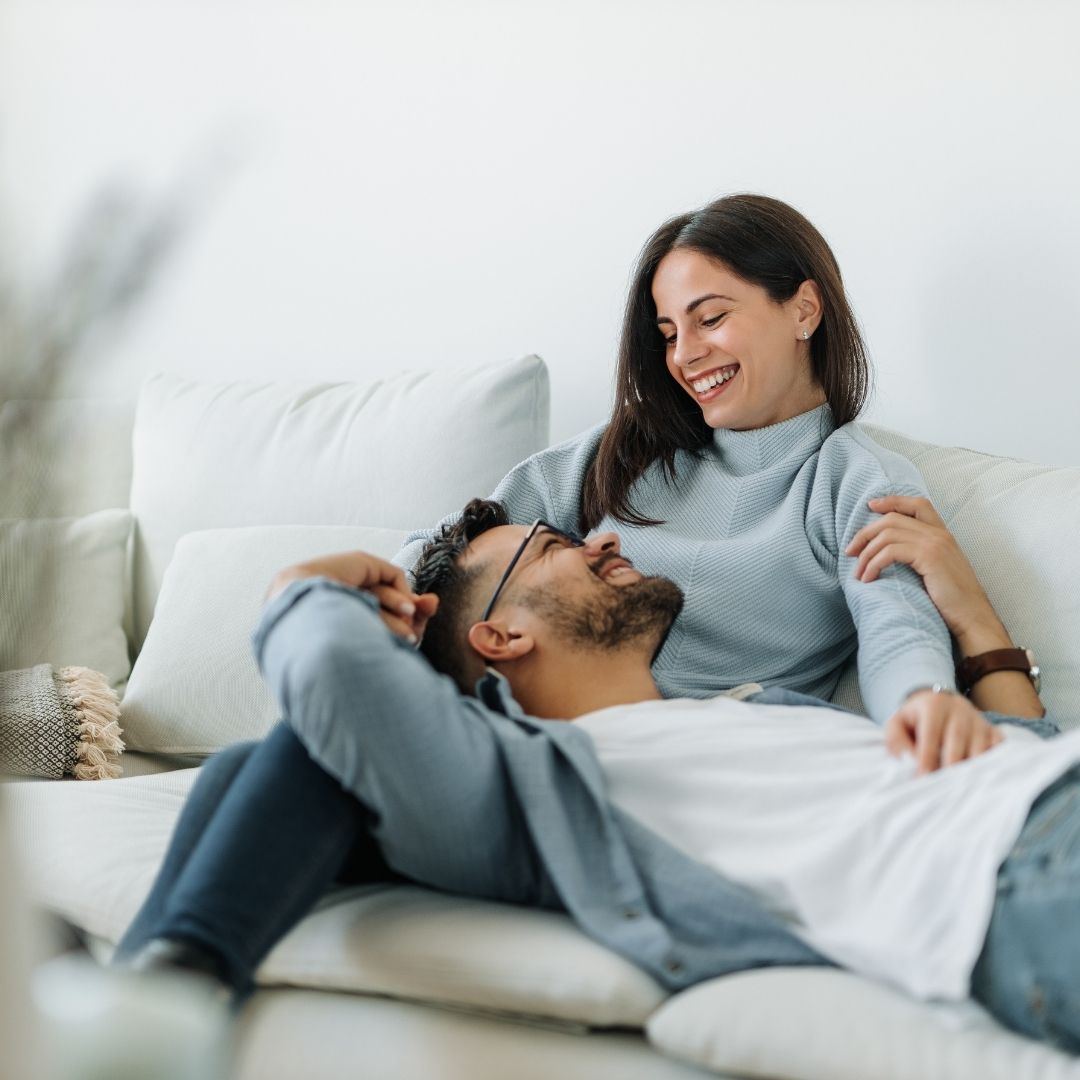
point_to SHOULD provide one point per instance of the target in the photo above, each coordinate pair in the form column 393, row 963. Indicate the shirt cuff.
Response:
column 889, row 687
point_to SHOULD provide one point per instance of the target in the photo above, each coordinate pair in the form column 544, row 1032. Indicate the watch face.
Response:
column 1034, row 673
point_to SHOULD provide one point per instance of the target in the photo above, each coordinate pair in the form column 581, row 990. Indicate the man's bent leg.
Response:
column 214, row 779
column 277, row 838
column 425, row 760
column 1028, row 974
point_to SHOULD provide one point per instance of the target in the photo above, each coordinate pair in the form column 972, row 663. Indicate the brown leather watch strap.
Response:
column 970, row 670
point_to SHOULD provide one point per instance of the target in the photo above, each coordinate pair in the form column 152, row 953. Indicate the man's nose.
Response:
column 601, row 543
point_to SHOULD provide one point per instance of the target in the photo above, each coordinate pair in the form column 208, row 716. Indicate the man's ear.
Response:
column 495, row 641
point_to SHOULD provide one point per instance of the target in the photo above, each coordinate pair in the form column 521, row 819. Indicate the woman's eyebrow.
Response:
column 696, row 304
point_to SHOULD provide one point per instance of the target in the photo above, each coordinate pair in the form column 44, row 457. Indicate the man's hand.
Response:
column 939, row 729
column 404, row 612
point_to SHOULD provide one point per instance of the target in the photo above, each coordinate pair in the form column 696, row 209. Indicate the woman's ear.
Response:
column 808, row 308
column 495, row 642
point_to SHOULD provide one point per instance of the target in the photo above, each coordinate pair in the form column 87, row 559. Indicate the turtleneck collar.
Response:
column 747, row 452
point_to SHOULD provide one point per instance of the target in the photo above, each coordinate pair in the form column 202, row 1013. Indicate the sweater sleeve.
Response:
column 547, row 485
column 903, row 642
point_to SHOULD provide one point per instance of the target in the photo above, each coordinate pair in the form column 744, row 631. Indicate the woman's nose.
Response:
column 688, row 348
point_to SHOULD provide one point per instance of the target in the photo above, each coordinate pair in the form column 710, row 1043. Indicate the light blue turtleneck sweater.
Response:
column 754, row 532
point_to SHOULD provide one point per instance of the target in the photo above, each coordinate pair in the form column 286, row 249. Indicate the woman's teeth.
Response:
column 714, row 379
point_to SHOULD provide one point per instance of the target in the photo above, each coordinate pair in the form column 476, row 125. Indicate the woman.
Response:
column 731, row 465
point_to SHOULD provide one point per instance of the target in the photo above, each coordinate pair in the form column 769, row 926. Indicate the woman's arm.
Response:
column 910, row 531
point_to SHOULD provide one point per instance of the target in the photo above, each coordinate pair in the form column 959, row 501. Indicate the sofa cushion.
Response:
column 1016, row 522
column 90, row 852
column 397, row 453
column 195, row 686
column 64, row 585
column 825, row 1024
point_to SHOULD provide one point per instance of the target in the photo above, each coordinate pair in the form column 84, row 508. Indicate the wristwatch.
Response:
column 970, row 670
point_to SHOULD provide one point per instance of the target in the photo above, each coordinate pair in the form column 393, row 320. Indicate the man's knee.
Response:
column 221, row 768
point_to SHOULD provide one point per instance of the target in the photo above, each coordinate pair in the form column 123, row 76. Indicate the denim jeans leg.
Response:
column 215, row 777
column 1028, row 974
column 275, row 842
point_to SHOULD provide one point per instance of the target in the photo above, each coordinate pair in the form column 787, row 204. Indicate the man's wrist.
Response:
column 930, row 688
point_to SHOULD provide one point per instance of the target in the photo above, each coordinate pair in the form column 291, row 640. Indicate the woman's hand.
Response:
column 911, row 531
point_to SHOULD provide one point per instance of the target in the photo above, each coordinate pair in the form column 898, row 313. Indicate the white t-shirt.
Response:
column 883, row 871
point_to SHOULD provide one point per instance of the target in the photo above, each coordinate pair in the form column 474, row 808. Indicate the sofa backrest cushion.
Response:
column 64, row 590
column 1017, row 523
column 398, row 452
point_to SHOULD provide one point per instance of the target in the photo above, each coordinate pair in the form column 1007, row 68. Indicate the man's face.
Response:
column 586, row 594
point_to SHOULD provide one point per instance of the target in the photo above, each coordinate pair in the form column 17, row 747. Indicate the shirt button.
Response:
column 673, row 966
column 629, row 914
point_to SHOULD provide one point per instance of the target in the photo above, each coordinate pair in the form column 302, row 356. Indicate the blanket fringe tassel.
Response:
column 98, row 709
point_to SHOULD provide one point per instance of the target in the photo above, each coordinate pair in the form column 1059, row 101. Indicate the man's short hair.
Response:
column 439, row 571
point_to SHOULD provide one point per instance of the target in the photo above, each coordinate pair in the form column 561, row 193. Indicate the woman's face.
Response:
column 741, row 356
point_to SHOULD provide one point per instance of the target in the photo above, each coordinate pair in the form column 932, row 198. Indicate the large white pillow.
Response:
column 1017, row 523
column 401, row 941
column 825, row 1024
column 195, row 686
column 399, row 453
column 64, row 585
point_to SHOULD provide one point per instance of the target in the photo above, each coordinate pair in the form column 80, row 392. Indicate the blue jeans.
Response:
column 263, row 834
column 1028, row 974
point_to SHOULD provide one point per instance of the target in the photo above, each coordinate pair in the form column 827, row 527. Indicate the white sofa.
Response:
column 231, row 481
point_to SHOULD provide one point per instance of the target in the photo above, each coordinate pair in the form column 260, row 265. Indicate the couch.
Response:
column 178, row 522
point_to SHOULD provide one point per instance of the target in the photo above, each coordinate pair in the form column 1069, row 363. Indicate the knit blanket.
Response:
column 59, row 723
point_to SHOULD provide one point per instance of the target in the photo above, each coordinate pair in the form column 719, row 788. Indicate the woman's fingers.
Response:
column 914, row 506
column 888, row 545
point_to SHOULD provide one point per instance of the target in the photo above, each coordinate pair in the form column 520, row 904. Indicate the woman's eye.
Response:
column 714, row 320
column 669, row 341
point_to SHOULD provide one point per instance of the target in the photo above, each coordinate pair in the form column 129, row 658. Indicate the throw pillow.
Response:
column 195, row 687
column 826, row 1024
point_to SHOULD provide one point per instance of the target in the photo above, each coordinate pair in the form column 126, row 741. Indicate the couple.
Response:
column 730, row 460
column 695, row 837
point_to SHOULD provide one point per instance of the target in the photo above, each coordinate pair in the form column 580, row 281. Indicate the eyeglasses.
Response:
column 534, row 528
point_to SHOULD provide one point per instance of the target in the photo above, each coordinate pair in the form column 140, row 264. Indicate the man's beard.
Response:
column 617, row 617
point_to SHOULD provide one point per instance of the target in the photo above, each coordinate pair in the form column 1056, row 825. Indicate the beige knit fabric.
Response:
column 59, row 723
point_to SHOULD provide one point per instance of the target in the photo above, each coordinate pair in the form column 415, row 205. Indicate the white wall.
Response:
column 423, row 183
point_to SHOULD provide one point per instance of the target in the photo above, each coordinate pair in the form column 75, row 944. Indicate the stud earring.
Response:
column 806, row 335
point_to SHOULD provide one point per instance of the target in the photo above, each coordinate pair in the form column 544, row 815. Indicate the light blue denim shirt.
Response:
column 469, row 794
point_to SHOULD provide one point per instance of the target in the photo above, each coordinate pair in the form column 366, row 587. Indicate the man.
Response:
column 695, row 838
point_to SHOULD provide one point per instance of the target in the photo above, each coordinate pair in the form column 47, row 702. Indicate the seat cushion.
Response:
column 90, row 852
